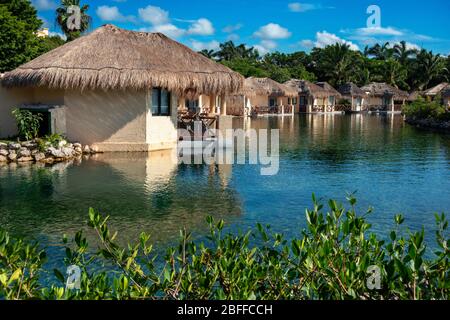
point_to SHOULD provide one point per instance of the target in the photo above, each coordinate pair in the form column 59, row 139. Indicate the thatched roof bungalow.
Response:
column 436, row 90
column 354, row 95
column 119, row 89
column 319, row 97
column 384, row 97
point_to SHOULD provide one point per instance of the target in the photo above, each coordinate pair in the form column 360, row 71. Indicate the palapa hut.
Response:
column 333, row 95
column 312, row 97
column 438, row 91
column 115, row 89
column 354, row 95
column 267, row 95
column 384, row 97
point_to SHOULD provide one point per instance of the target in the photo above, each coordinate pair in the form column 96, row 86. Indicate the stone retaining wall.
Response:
column 32, row 151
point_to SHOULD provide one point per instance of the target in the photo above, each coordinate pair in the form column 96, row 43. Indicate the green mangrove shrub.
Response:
column 28, row 123
column 332, row 258
column 422, row 109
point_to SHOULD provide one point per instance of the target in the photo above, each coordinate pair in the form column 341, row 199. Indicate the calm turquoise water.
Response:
column 393, row 168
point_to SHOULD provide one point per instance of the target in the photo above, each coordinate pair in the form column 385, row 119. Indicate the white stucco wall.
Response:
column 14, row 97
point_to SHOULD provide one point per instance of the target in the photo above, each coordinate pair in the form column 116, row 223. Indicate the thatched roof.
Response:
column 377, row 89
column 111, row 58
column 437, row 89
column 266, row 86
column 332, row 91
column 309, row 88
column 351, row 89
column 414, row 95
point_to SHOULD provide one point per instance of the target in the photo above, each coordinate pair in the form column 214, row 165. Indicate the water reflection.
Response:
column 394, row 167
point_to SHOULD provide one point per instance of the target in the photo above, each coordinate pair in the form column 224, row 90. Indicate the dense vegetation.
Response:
column 397, row 65
column 423, row 109
column 18, row 40
column 331, row 259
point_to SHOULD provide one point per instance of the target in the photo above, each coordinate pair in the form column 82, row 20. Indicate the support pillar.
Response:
column 223, row 105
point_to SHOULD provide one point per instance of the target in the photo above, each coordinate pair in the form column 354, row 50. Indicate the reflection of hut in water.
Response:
column 140, row 193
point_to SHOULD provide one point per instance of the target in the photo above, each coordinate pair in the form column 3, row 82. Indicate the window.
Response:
column 294, row 101
column 272, row 102
column 303, row 101
column 289, row 100
column 160, row 102
column 331, row 100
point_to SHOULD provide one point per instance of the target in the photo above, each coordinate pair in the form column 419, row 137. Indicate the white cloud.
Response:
column 307, row 44
column 168, row 29
column 303, row 7
column 232, row 28
column 272, row 31
column 45, row 5
column 261, row 49
column 268, row 44
column 233, row 37
column 107, row 13
column 201, row 27
column 154, row 15
column 199, row 46
column 379, row 31
column 324, row 39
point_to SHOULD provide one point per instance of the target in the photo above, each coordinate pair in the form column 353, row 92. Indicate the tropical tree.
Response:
column 381, row 52
column 336, row 64
column 18, row 41
column 427, row 68
column 63, row 14
column 402, row 53
column 395, row 74
column 208, row 53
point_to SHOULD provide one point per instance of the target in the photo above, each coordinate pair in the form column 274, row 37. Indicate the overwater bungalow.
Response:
column 312, row 97
column 330, row 102
column 268, row 96
column 114, row 89
column 354, row 95
column 385, row 98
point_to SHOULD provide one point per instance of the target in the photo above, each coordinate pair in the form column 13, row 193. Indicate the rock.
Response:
column 68, row 152
column 57, row 153
column 78, row 150
column 14, row 146
column 29, row 144
column 3, row 145
column 77, row 145
column 48, row 160
column 39, row 156
column 3, row 158
column 86, row 149
column 4, row 152
column 12, row 157
column 25, row 159
column 34, row 152
column 62, row 143
column 24, row 152
column 69, row 145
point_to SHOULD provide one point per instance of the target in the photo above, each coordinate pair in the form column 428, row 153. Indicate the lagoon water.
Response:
column 391, row 166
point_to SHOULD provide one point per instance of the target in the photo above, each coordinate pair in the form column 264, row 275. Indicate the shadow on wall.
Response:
column 106, row 116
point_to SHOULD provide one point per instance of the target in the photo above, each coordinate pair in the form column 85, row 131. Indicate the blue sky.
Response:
column 271, row 25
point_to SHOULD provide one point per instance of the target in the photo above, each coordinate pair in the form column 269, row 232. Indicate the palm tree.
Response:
column 62, row 18
column 383, row 52
column 394, row 73
column 208, row 53
column 402, row 53
column 337, row 63
column 427, row 68
column 227, row 51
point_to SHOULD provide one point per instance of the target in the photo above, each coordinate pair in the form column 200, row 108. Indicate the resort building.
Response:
column 355, row 97
column 383, row 97
column 312, row 97
column 446, row 97
column 268, row 96
column 114, row 89
column 437, row 91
